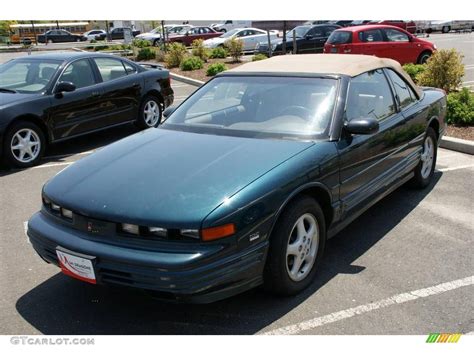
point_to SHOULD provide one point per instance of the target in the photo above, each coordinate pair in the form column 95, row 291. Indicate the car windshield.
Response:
column 27, row 75
column 300, row 31
column 340, row 37
column 259, row 106
column 230, row 33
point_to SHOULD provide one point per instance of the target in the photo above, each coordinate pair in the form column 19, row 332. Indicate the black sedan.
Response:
column 117, row 33
column 309, row 39
column 52, row 97
column 56, row 36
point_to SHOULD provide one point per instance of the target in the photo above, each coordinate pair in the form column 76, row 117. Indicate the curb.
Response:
column 458, row 145
column 186, row 80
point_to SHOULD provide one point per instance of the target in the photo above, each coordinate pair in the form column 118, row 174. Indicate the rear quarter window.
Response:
column 340, row 37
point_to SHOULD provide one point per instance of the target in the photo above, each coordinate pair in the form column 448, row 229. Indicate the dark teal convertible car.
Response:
column 243, row 183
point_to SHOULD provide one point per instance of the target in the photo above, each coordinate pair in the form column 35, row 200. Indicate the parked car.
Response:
column 117, row 33
column 359, row 22
column 309, row 39
column 56, row 36
column 342, row 23
column 409, row 26
column 251, row 37
column 48, row 98
column 92, row 34
column 154, row 36
column 188, row 35
column 228, row 25
column 446, row 26
column 243, row 183
column 382, row 41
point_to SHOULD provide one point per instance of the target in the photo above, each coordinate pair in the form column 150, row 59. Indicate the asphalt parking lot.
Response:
column 404, row 267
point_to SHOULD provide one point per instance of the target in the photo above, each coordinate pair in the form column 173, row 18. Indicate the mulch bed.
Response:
column 200, row 74
column 460, row 132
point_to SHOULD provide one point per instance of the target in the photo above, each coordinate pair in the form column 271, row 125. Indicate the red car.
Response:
column 382, row 41
column 188, row 35
column 409, row 26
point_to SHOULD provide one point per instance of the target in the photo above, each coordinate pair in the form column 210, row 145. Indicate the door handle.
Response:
column 95, row 94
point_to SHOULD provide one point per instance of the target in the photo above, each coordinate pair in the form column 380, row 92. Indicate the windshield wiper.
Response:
column 7, row 90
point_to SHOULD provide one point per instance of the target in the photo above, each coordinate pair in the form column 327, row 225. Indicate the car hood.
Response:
column 166, row 178
column 7, row 98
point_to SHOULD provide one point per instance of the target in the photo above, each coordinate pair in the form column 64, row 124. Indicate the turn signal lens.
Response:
column 214, row 233
column 130, row 228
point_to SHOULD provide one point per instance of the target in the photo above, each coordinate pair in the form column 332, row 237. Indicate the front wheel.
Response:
column 425, row 168
column 149, row 114
column 296, row 247
column 24, row 144
column 446, row 29
column 423, row 58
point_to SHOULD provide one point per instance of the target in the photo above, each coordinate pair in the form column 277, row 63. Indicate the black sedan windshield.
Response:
column 259, row 105
column 300, row 31
column 27, row 75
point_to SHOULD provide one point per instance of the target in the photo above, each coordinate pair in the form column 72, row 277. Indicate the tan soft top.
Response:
column 345, row 64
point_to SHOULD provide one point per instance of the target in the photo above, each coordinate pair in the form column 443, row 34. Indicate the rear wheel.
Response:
column 149, row 114
column 296, row 247
column 446, row 29
column 425, row 168
column 24, row 144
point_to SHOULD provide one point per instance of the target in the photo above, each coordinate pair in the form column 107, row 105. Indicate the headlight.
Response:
column 434, row 46
column 130, row 228
column 160, row 232
column 55, row 207
column 191, row 233
column 66, row 213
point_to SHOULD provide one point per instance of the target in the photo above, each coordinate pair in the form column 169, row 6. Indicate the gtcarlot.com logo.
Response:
column 443, row 338
column 33, row 340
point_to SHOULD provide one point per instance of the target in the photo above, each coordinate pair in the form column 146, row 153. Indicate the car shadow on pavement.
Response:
column 62, row 305
column 63, row 151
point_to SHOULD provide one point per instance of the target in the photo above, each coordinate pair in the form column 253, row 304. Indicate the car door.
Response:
column 371, row 42
column 121, row 88
column 311, row 41
column 399, row 46
column 416, row 115
column 73, row 113
column 370, row 163
column 248, row 39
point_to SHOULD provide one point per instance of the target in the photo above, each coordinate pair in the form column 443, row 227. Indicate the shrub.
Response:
column 160, row 55
column 93, row 41
column 175, row 55
column 141, row 43
column 259, row 56
column 192, row 63
column 146, row 54
column 460, row 108
column 414, row 70
column 235, row 47
column 219, row 52
column 444, row 70
column 198, row 50
column 101, row 48
column 215, row 68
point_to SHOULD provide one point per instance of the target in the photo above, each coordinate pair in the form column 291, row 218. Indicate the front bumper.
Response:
column 188, row 276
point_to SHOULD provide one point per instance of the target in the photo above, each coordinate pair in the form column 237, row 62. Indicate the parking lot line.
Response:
column 68, row 155
column 456, row 168
column 369, row 307
column 51, row 165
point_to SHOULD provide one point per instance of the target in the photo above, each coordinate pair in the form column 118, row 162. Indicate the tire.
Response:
column 446, row 29
column 425, row 169
column 50, row 41
column 423, row 58
column 145, row 120
column 279, row 276
column 156, row 42
column 36, row 140
column 78, row 39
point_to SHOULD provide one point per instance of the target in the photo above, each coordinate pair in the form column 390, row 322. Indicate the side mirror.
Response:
column 367, row 125
column 168, row 111
column 64, row 86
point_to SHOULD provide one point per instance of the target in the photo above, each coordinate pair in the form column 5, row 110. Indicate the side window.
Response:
column 79, row 73
column 110, row 68
column 371, row 36
column 405, row 94
column 129, row 68
column 396, row 36
column 369, row 95
column 315, row 32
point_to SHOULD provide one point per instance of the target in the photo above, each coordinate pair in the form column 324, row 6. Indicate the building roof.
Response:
column 323, row 64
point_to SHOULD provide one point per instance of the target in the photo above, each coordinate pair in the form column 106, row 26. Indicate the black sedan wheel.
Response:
column 150, row 112
column 296, row 247
column 24, row 144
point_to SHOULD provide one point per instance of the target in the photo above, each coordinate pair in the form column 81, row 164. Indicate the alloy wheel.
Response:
column 427, row 157
column 151, row 113
column 302, row 247
column 25, row 145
